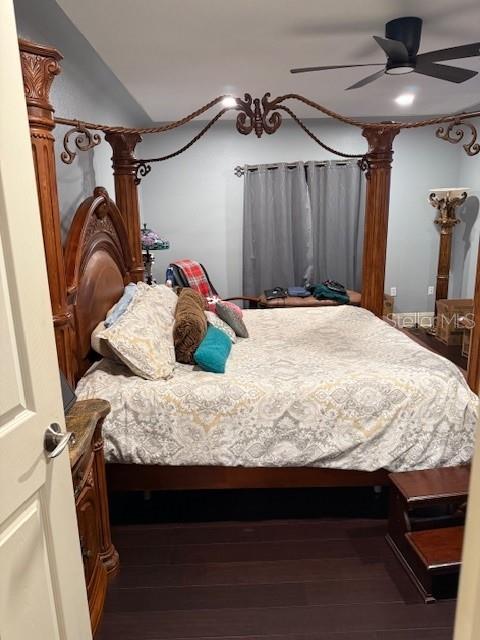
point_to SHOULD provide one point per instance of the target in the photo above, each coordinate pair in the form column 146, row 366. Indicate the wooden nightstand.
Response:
column 100, row 557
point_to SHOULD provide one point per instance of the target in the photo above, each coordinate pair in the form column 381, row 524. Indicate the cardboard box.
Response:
column 449, row 331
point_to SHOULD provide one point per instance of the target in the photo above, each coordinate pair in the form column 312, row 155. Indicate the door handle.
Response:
column 55, row 440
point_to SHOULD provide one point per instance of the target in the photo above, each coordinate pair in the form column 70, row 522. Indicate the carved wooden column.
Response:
column 40, row 65
column 446, row 203
column 444, row 259
column 126, row 193
column 377, row 163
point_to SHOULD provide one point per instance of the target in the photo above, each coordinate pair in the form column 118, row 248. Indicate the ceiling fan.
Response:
column 400, row 45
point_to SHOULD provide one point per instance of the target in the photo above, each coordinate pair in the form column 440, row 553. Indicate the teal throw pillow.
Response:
column 213, row 351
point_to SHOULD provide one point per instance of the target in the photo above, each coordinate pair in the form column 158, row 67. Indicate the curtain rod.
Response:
column 240, row 171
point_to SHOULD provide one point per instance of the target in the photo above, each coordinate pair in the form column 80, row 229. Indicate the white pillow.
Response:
column 100, row 345
column 217, row 322
column 143, row 337
column 165, row 296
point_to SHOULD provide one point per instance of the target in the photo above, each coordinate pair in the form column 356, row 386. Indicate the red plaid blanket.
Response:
column 196, row 278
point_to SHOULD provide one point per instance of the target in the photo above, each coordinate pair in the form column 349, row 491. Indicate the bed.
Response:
column 103, row 253
column 331, row 387
column 315, row 397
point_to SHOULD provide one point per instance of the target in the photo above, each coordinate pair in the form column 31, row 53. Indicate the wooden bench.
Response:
column 310, row 301
column 428, row 544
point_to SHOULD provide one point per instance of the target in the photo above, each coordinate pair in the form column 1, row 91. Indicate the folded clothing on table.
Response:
column 322, row 292
column 298, row 292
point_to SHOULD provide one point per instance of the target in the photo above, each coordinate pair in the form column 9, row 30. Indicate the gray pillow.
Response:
column 228, row 315
column 215, row 321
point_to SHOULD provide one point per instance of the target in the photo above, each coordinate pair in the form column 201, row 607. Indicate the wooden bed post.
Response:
column 473, row 370
column 377, row 162
column 126, row 193
column 40, row 65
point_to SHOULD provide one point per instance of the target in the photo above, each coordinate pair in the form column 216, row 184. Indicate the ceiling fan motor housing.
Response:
column 409, row 31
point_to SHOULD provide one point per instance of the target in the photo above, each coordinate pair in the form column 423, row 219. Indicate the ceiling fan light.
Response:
column 399, row 70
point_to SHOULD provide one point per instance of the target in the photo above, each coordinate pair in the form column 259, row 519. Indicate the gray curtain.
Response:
column 277, row 228
column 302, row 221
column 337, row 205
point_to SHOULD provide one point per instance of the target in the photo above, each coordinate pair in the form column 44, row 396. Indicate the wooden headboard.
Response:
column 98, row 264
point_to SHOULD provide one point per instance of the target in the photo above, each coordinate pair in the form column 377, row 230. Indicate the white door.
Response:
column 42, row 589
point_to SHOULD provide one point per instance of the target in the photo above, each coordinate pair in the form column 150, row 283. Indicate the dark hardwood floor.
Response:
column 321, row 574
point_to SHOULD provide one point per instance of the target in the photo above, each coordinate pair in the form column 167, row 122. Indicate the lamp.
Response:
column 151, row 241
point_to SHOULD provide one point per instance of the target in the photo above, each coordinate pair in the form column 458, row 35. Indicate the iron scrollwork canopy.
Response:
column 258, row 115
column 455, row 132
column 83, row 141
column 262, row 115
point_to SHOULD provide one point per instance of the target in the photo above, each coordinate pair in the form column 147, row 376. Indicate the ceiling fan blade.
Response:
column 453, row 53
column 394, row 49
column 445, row 72
column 367, row 80
column 338, row 66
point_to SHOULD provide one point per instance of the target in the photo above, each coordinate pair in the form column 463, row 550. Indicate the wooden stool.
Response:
column 413, row 490
column 435, row 552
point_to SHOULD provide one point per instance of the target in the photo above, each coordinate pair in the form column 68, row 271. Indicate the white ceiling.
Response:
column 175, row 55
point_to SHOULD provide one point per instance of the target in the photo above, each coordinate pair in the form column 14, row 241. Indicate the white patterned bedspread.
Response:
column 331, row 387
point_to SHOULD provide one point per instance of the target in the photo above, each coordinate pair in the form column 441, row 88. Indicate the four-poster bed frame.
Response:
column 103, row 249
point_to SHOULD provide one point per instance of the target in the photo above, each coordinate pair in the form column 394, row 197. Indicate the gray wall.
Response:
column 467, row 234
column 86, row 89
column 195, row 201
column 421, row 162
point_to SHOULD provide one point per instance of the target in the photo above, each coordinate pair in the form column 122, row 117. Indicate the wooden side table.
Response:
column 87, row 462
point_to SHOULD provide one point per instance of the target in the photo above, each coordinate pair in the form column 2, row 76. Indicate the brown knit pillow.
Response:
column 190, row 325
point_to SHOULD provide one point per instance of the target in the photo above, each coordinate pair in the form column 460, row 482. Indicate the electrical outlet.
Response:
column 393, row 291
column 430, row 291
